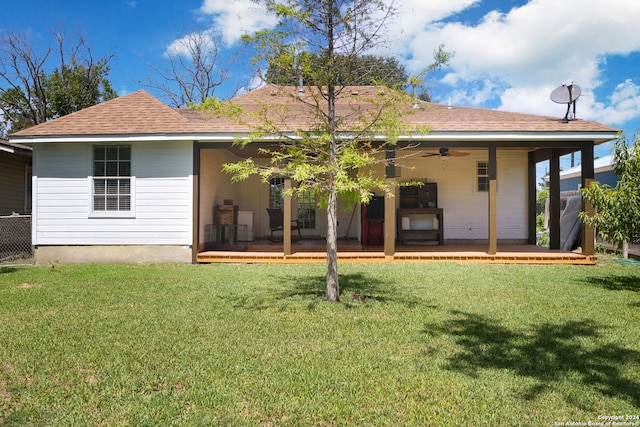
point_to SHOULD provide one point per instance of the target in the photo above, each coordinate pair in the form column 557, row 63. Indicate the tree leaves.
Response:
column 618, row 209
column 31, row 92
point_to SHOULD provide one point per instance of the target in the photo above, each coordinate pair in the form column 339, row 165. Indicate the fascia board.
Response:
column 477, row 137
column 512, row 136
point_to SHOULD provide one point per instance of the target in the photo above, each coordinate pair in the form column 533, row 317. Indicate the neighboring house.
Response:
column 15, row 178
column 132, row 179
column 570, row 183
column 570, row 179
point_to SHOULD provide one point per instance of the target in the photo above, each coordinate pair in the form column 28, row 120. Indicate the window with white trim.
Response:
column 112, row 178
column 483, row 176
column 307, row 209
column 276, row 193
column 306, row 203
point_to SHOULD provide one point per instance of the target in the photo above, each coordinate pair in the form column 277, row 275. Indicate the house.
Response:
column 570, row 179
column 15, row 176
column 132, row 179
column 570, row 184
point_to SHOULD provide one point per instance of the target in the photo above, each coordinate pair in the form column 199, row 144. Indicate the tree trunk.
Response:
column 333, row 291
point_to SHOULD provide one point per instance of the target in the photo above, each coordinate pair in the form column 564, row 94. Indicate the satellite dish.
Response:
column 567, row 94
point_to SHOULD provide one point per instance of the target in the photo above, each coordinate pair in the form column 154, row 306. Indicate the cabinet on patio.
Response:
column 420, row 226
column 419, row 219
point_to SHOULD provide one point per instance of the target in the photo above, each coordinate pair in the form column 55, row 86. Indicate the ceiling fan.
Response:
column 444, row 153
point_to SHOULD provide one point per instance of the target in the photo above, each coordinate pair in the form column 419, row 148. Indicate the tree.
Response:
column 617, row 214
column 420, row 83
column 333, row 154
column 32, row 91
column 195, row 69
column 22, row 94
column 372, row 70
column 78, row 83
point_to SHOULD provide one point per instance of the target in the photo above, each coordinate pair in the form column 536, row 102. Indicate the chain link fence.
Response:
column 15, row 238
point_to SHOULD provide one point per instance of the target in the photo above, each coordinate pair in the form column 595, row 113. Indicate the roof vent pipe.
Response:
column 300, row 86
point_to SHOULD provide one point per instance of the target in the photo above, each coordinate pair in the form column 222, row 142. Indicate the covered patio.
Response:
column 478, row 174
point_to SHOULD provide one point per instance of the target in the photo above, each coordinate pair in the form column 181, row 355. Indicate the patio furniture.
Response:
column 276, row 222
column 225, row 217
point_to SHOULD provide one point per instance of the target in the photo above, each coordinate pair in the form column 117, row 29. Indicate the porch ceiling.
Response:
column 544, row 152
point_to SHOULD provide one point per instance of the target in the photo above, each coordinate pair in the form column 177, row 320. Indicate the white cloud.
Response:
column 516, row 58
column 235, row 18
column 542, row 35
column 185, row 45
column 623, row 104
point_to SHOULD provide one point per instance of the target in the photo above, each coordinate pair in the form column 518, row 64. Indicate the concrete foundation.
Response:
column 46, row 255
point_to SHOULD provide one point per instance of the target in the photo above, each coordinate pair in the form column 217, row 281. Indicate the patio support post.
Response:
column 195, row 216
column 588, row 174
column 554, row 199
column 493, row 203
column 390, row 206
column 531, row 198
column 286, row 226
column 390, row 225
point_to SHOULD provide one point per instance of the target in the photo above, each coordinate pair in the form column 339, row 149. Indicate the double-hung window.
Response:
column 306, row 203
column 483, row 177
column 276, row 193
column 111, row 179
column 307, row 209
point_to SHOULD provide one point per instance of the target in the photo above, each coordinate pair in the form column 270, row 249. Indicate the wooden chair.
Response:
column 276, row 222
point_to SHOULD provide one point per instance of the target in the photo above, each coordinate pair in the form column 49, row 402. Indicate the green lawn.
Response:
column 421, row 344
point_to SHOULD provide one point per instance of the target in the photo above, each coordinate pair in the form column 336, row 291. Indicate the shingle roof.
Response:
column 439, row 116
column 139, row 113
column 136, row 113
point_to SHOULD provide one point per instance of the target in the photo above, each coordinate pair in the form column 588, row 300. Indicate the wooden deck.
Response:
column 308, row 251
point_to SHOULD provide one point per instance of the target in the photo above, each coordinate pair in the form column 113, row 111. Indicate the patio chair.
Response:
column 276, row 222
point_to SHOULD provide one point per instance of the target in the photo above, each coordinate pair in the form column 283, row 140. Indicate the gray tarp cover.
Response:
column 570, row 223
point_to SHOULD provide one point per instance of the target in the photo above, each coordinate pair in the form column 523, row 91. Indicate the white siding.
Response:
column 162, row 197
column 466, row 210
column 215, row 185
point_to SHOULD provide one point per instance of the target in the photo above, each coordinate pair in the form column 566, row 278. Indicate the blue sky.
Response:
column 509, row 54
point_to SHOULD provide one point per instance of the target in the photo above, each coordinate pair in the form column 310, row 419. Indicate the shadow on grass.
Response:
column 616, row 283
column 355, row 289
column 552, row 354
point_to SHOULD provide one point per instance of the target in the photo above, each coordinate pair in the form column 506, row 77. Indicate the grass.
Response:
column 241, row 345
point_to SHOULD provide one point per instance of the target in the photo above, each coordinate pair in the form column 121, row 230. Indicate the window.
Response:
column 306, row 203
column 483, row 176
column 276, row 193
column 112, row 178
column 307, row 209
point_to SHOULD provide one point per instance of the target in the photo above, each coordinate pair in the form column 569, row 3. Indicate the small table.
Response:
column 221, row 235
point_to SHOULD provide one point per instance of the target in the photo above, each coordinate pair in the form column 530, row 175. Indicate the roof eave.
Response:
column 39, row 139
column 598, row 137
